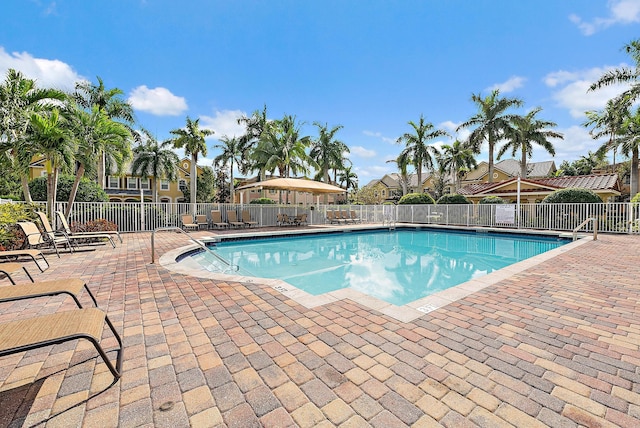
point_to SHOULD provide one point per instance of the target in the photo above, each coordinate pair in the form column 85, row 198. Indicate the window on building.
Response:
column 132, row 183
column 182, row 184
column 164, row 184
column 113, row 182
column 144, row 183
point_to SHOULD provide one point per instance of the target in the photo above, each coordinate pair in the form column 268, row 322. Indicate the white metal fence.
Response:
column 611, row 217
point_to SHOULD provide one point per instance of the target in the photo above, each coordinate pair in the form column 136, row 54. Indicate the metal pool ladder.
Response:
column 584, row 223
column 229, row 268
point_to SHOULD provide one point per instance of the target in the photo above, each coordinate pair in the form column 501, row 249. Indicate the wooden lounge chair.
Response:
column 71, row 287
column 355, row 218
column 300, row 219
column 35, row 255
column 32, row 333
column 10, row 268
column 36, row 239
column 246, row 219
column 201, row 220
column 344, row 216
column 73, row 238
column 67, row 229
column 334, row 218
column 232, row 219
column 216, row 220
column 187, row 222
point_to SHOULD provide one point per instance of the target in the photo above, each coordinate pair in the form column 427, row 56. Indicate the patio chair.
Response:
column 187, row 222
column 67, row 229
column 300, row 220
column 74, row 235
column 334, row 218
column 216, row 220
column 35, row 255
column 10, row 268
column 72, row 239
column 201, row 220
column 344, row 216
column 246, row 219
column 36, row 239
column 38, row 332
column 354, row 217
column 232, row 219
column 71, row 287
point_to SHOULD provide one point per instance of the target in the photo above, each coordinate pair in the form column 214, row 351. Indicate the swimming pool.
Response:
column 397, row 267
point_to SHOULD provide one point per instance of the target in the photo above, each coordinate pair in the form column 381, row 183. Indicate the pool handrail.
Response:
column 192, row 239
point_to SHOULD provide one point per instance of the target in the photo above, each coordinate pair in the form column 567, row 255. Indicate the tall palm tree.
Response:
column 348, row 179
column 155, row 160
column 624, row 75
column 232, row 153
column 491, row 122
column 108, row 101
column 19, row 98
column 403, row 162
column 527, row 130
column 630, row 146
column 456, row 159
column 416, row 149
column 51, row 139
column 192, row 139
column 326, row 151
column 94, row 133
column 607, row 123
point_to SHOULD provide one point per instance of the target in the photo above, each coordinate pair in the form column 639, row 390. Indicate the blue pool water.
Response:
column 395, row 266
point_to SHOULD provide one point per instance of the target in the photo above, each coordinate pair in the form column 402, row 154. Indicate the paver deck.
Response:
column 554, row 345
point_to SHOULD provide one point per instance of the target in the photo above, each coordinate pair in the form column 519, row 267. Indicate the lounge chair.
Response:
column 201, row 220
column 216, row 220
column 284, row 220
column 10, row 268
column 73, row 238
column 344, row 216
column 334, row 218
column 72, row 287
column 246, row 219
column 355, row 218
column 38, row 332
column 67, row 229
column 36, row 239
column 187, row 222
column 232, row 219
column 35, row 255
column 300, row 219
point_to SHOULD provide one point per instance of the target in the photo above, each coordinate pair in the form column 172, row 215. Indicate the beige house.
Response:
column 506, row 169
column 389, row 187
column 606, row 186
column 127, row 188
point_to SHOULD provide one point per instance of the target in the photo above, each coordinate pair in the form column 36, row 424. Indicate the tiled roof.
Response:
column 592, row 182
column 534, row 169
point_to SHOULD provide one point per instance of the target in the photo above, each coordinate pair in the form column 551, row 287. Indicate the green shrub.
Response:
column 635, row 201
column 263, row 201
column 99, row 225
column 572, row 195
column 452, row 199
column 492, row 200
column 11, row 237
column 88, row 191
column 416, row 199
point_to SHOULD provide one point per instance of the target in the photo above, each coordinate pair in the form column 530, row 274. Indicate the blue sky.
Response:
column 368, row 65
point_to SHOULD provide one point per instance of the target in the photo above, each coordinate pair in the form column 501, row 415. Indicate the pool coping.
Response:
column 404, row 313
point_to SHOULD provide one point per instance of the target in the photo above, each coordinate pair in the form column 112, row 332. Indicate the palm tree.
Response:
column 607, row 123
column 192, row 139
column 51, row 139
column 416, row 149
column 525, row 131
column 403, row 162
column 155, row 160
column 348, row 179
column 624, row 75
column 630, row 145
column 108, row 101
column 326, row 151
column 19, row 98
column 232, row 153
column 456, row 159
column 491, row 122
column 94, row 133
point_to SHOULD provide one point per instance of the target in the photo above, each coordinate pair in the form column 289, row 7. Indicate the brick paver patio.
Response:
column 556, row 345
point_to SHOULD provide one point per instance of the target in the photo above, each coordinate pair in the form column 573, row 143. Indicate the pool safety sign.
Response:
column 505, row 214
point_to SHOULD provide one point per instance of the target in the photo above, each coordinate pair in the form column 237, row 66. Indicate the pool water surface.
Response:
column 397, row 267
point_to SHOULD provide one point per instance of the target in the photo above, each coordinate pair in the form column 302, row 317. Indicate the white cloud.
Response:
column 224, row 122
column 513, row 83
column 620, row 12
column 450, row 127
column 372, row 172
column 380, row 136
column 48, row 73
column 572, row 90
column 362, row 152
column 157, row 101
column 577, row 142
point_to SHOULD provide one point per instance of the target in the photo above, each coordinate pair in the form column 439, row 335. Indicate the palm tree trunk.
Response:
column 154, row 190
column 634, row 171
column 25, row 188
column 74, row 190
column 490, row 178
column 523, row 163
column 231, row 189
column 193, row 184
